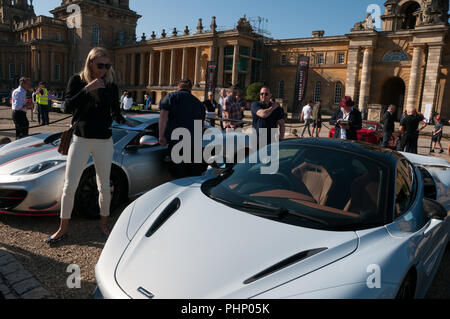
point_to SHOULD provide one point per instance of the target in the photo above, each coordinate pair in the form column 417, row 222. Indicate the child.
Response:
column 437, row 135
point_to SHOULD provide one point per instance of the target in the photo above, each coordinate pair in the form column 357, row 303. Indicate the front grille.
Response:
column 9, row 199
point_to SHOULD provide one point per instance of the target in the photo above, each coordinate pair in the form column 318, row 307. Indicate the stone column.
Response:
column 212, row 53
column 352, row 72
column 151, row 68
column 184, row 64
column 133, row 69
column 411, row 101
column 220, row 66
column 172, row 67
column 142, row 70
column 235, row 76
column 35, row 66
column 432, row 76
column 52, row 66
column 366, row 79
column 161, row 68
column 197, row 66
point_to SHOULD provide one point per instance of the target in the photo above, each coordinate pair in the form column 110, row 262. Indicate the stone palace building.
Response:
column 406, row 63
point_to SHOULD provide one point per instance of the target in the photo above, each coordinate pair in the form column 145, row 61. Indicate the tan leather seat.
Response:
column 316, row 179
column 364, row 194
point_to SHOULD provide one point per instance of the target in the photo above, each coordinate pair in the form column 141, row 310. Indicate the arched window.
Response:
column 338, row 93
column 317, row 92
column 396, row 56
column 95, row 35
column 281, row 90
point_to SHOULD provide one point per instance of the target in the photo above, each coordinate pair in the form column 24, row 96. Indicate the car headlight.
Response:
column 38, row 168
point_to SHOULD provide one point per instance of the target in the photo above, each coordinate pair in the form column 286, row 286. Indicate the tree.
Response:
column 253, row 91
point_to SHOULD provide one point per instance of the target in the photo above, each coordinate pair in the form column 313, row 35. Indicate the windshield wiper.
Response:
column 268, row 211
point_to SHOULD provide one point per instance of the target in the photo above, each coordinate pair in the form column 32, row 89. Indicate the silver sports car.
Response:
column 338, row 220
column 32, row 171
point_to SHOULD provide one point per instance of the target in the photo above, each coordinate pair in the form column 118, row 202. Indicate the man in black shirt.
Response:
column 409, row 128
column 388, row 125
column 181, row 109
column 267, row 116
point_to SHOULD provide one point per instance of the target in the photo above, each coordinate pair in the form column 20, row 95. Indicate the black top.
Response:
column 271, row 121
column 210, row 107
column 94, row 113
column 388, row 122
column 355, row 122
column 411, row 123
column 184, row 109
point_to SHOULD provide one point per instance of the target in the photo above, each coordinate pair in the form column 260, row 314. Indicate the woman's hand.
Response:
column 95, row 85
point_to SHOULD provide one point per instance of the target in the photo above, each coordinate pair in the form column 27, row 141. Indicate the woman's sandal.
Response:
column 51, row 241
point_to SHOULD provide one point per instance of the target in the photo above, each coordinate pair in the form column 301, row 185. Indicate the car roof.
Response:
column 374, row 152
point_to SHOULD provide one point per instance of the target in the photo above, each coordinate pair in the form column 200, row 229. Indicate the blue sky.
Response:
column 287, row 18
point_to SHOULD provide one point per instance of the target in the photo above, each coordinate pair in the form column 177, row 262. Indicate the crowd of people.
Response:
column 93, row 98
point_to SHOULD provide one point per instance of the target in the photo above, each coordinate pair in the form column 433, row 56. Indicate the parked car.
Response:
column 372, row 133
column 336, row 215
column 59, row 106
column 32, row 171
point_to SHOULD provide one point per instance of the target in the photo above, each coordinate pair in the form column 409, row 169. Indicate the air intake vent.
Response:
column 165, row 215
column 284, row 264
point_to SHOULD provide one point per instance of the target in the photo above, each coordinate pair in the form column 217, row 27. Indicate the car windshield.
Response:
column 315, row 187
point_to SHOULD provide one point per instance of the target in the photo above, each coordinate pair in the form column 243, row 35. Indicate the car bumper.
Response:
column 34, row 197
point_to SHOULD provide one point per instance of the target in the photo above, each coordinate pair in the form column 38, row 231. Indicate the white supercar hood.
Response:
column 207, row 250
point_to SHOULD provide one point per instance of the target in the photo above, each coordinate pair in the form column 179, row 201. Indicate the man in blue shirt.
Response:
column 267, row 116
column 20, row 107
column 148, row 102
column 181, row 109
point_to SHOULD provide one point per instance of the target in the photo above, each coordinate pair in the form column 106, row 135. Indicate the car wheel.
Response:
column 86, row 197
column 407, row 289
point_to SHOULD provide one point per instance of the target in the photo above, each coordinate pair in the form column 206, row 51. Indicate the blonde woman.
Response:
column 93, row 98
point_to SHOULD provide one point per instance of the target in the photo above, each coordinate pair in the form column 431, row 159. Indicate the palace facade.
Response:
column 406, row 63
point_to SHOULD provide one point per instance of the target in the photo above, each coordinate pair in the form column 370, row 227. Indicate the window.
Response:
column 245, row 51
column 12, row 71
column 22, row 70
column 228, row 65
column 283, row 60
column 58, row 36
column 320, row 58
column 243, row 64
column 281, row 90
column 396, row 56
column 122, row 37
column 404, row 190
column 341, row 58
column 57, row 72
column 338, row 93
column 317, row 92
column 95, row 35
column 229, row 51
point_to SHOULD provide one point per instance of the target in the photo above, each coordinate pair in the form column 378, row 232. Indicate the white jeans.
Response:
column 80, row 150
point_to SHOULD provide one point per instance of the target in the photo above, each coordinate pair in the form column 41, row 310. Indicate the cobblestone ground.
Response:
column 30, row 269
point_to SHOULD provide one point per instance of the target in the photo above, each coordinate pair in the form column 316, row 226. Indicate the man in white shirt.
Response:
column 222, row 106
column 20, row 107
column 307, row 117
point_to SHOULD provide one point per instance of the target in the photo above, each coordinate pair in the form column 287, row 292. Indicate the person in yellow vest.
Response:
column 43, row 104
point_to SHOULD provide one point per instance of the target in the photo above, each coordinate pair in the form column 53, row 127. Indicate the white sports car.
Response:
column 338, row 220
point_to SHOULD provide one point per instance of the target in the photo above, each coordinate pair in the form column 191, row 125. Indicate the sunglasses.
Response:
column 102, row 66
column 264, row 94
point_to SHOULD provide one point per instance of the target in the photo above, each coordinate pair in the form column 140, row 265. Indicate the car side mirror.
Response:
column 434, row 209
column 148, row 141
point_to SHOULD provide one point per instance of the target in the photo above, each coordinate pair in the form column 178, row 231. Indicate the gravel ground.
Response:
column 24, row 236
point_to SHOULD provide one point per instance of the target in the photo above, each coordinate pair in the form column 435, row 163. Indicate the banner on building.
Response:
column 301, row 84
column 211, row 78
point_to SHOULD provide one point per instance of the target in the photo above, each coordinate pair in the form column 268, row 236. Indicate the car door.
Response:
column 426, row 238
column 145, row 165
